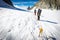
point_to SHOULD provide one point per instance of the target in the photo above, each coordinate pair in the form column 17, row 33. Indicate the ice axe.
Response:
column 40, row 31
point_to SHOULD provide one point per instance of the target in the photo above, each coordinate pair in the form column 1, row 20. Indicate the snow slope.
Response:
column 16, row 25
column 6, row 5
column 50, row 22
column 21, row 25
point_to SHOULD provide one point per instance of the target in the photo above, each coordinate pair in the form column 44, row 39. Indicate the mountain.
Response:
column 9, row 4
column 22, row 25
column 47, row 4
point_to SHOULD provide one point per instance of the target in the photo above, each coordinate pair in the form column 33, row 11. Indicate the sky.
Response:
column 26, row 3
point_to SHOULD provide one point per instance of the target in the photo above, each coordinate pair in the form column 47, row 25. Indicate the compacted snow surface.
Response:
column 21, row 25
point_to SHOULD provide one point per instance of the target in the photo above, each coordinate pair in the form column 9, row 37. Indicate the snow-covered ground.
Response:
column 50, row 22
column 21, row 25
column 16, row 25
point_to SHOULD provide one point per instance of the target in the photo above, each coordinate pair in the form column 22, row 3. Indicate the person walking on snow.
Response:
column 39, row 13
column 35, row 11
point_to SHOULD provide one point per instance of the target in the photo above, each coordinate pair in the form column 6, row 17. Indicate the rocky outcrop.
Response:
column 48, row 4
